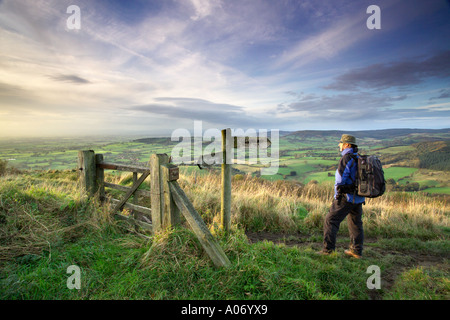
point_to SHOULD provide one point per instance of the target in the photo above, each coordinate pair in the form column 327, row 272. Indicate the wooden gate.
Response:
column 167, row 199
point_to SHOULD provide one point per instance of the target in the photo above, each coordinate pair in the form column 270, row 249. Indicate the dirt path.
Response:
column 416, row 259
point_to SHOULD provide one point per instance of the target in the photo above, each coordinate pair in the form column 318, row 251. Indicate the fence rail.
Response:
column 124, row 188
column 121, row 167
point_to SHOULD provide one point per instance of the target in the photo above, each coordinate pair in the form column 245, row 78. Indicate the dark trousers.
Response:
column 338, row 211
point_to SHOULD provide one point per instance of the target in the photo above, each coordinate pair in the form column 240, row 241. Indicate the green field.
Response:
column 320, row 177
column 302, row 159
column 397, row 173
column 439, row 190
column 391, row 150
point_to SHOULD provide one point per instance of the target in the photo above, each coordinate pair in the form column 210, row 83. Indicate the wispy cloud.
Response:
column 204, row 8
column 10, row 90
column 200, row 109
column 445, row 94
column 395, row 74
column 347, row 107
column 71, row 78
column 361, row 107
column 324, row 45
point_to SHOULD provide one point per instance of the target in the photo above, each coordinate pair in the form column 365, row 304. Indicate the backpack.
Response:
column 370, row 181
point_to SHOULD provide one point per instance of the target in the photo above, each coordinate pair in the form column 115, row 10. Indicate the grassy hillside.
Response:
column 46, row 225
column 435, row 155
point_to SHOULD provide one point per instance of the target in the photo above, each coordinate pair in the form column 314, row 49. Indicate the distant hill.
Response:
column 434, row 155
column 415, row 135
column 432, row 145
column 374, row 134
column 167, row 140
column 160, row 140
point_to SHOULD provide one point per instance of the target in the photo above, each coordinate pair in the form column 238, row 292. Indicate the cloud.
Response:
column 220, row 114
column 348, row 105
column 445, row 93
column 10, row 90
column 69, row 78
column 194, row 109
column 325, row 44
column 343, row 107
column 204, row 8
column 395, row 74
column 14, row 97
column 358, row 109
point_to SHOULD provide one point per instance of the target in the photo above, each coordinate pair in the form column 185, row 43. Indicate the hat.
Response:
column 346, row 138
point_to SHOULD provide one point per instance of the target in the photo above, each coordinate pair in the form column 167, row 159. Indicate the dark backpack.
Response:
column 370, row 177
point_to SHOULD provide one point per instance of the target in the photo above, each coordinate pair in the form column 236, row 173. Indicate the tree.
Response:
column 390, row 181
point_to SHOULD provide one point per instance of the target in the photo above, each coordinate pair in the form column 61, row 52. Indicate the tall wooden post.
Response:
column 225, row 211
column 157, row 190
column 88, row 171
column 100, row 176
column 171, row 217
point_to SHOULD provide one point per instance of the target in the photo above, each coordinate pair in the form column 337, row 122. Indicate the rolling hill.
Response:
column 389, row 134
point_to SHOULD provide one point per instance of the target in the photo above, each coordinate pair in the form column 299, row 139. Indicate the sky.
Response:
column 150, row 67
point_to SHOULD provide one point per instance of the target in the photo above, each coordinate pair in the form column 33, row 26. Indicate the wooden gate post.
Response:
column 157, row 190
column 88, row 171
column 225, row 210
column 100, row 176
column 171, row 217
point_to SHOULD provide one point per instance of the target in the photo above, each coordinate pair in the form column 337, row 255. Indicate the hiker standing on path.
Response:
column 346, row 203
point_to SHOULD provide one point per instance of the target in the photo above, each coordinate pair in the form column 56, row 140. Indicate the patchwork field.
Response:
column 304, row 156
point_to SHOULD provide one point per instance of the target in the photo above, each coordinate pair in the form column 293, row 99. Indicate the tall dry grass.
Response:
column 257, row 204
column 41, row 209
column 280, row 206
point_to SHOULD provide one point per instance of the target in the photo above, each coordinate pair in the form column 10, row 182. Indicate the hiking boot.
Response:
column 324, row 252
column 353, row 254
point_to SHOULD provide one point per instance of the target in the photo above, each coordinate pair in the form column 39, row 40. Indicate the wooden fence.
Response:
column 167, row 199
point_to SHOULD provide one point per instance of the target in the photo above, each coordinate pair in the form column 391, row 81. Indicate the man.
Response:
column 346, row 203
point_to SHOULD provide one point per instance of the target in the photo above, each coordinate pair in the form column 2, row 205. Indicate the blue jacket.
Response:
column 346, row 174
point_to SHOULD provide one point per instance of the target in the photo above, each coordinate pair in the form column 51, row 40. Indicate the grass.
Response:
column 421, row 284
column 46, row 225
column 320, row 177
column 172, row 266
column 440, row 190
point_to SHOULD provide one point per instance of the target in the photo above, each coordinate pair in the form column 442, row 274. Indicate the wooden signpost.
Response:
column 228, row 143
column 225, row 203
